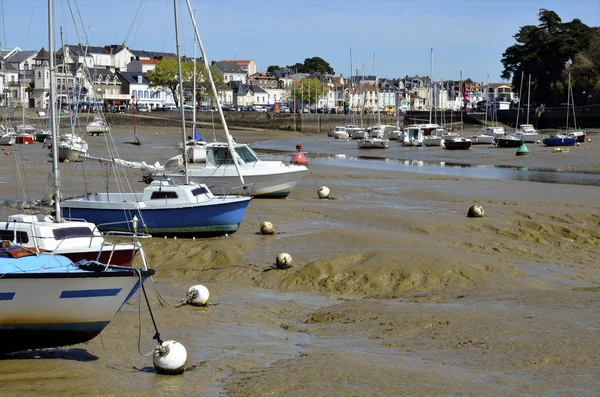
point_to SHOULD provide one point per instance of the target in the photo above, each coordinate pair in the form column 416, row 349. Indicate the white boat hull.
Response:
column 59, row 309
column 373, row 143
column 432, row 141
column 482, row 139
column 278, row 182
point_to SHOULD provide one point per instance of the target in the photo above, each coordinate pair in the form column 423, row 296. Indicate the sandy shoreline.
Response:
column 393, row 291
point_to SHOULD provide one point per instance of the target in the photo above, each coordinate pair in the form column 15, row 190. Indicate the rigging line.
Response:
column 29, row 29
column 81, row 21
column 137, row 13
column 139, row 22
column 3, row 24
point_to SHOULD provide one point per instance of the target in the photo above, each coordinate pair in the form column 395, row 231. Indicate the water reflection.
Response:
column 530, row 174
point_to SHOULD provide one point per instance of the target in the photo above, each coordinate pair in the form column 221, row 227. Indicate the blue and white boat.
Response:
column 559, row 140
column 162, row 208
column 48, row 301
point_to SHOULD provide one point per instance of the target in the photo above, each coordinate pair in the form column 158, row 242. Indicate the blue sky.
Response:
column 468, row 36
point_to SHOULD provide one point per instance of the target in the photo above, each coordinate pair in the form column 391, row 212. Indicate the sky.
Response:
column 388, row 38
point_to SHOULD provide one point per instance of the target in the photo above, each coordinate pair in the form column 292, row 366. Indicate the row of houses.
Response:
column 115, row 76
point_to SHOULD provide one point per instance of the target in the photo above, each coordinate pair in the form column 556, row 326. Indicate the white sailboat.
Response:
column 376, row 138
column 429, row 133
column 484, row 138
column 527, row 133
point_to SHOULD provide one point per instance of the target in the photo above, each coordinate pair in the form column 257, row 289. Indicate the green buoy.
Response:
column 522, row 151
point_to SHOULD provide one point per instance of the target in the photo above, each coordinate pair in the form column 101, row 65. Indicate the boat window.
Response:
column 68, row 232
column 163, row 195
column 246, row 154
column 22, row 237
column 199, row 190
column 222, row 156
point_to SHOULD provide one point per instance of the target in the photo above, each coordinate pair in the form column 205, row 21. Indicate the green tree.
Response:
column 309, row 91
column 312, row 65
column 273, row 68
column 542, row 52
column 585, row 69
column 164, row 76
column 203, row 88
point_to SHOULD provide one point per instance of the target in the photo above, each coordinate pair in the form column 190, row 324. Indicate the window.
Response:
column 199, row 190
column 246, row 154
column 145, row 94
column 69, row 232
column 163, row 195
column 22, row 237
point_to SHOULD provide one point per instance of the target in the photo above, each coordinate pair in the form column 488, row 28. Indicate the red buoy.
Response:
column 300, row 159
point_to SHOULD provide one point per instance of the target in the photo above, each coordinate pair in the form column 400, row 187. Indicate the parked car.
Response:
column 260, row 108
column 205, row 109
column 284, row 109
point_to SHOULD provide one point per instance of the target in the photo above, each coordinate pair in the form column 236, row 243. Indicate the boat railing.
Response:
column 244, row 189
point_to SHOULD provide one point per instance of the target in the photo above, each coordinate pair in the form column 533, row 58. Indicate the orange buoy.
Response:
column 2, row 149
column 7, row 153
column 300, row 159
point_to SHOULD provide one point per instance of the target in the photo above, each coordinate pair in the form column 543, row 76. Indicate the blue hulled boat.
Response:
column 559, row 140
column 163, row 208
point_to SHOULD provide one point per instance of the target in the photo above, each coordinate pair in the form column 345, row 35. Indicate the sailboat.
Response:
column 428, row 133
column 562, row 139
column 164, row 207
column 578, row 134
column 526, row 131
column 458, row 142
column 376, row 139
column 482, row 138
column 512, row 141
column 47, row 300
column 230, row 168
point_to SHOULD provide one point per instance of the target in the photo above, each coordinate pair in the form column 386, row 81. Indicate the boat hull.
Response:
column 69, row 155
column 264, row 185
column 43, row 310
column 25, row 139
column 559, row 141
column 8, row 140
column 222, row 216
column 511, row 143
column 463, row 145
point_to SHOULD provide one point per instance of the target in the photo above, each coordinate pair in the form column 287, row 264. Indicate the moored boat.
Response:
column 559, row 140
column 457, row 143
column 49, row 301
column 373, row 143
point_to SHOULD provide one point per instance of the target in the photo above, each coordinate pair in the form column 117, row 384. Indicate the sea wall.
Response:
column 587, row 117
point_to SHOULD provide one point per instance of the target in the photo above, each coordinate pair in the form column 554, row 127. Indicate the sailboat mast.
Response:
column 377, row 90
column 180, row 75
column 520, row 100
column 234, row 155
column 528, row 97
column 462, row 109
column 568, row 101
column 194, row 97
column 431, row 82
column 487, row 102
column 53, row 111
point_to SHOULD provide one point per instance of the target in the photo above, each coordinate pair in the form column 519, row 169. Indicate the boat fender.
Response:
column 475, row 211
column 266, row 227
column 323, row 192
column 169, row 358
column 198, row 295
column 283, row 260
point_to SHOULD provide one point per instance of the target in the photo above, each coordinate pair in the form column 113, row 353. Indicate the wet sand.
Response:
column 393, row 290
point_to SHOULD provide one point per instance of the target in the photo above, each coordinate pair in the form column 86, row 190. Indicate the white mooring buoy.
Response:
column 266, row 227
column 323, row 192
column 283, row 260
column 198, row 295
column 169, row 358
column 475, row 211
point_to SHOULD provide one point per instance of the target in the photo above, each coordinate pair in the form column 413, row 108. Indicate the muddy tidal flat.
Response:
column 393, row 290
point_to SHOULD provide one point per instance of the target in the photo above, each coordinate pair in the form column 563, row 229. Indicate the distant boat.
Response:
column 340, row 132
column 373, row 143
column 510, row 141
column 559, row 140
column 457, row 143
column 98, row 126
